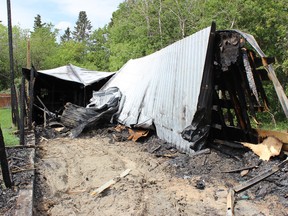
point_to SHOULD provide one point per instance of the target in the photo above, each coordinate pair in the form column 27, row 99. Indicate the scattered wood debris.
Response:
column 268, row 148
column 230, row 202
column 136, row 134
column 240, row 169
column 260, row 177
column 110, row 183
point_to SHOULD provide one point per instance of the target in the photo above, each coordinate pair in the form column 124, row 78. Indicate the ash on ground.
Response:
column 20, row 169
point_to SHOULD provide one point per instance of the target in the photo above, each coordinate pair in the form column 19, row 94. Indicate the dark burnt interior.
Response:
column 55, row 93
column 238, row 88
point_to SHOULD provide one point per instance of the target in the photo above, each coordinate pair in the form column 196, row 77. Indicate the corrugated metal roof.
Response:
column 76, row 74
column 164, row 87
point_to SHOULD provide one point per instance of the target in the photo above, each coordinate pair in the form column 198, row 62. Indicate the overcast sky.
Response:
column 61, row 13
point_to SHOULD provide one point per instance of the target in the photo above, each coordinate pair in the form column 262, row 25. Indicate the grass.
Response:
column 6, row 125
column 280, row 126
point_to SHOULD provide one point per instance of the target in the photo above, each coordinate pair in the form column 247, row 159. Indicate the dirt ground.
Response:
column 164, row 182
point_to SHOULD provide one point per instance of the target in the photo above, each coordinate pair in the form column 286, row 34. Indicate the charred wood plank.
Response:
column 258, row 80
column 22, row 111
column 4, row 163
column 259, row 177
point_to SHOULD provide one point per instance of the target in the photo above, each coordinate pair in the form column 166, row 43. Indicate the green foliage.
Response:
column 6, row 125
column 4, row 58
column 68, row 52
column 38, row 22
column 19, row 48
column 43, row 46
column 67, row 36
column 83, row 28
column 99, row 51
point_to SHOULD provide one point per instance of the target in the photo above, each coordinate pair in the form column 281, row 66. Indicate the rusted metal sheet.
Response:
column 164, row 87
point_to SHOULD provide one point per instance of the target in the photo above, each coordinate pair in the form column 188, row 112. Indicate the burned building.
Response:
column 205, row 86
column 69, row 83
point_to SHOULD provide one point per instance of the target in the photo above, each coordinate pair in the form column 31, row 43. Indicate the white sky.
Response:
column 61, row 13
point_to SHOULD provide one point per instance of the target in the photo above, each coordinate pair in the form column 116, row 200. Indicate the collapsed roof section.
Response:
column 77, row 74
column 163, row 88
column 195, row 88
column 69, row 83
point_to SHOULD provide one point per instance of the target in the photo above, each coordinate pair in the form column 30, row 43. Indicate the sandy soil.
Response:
column 69, row 170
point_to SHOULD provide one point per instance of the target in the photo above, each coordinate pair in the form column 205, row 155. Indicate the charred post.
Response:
column 22, row 111
column 4, row 163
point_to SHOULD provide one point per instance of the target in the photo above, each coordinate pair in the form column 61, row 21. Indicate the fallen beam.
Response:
column 4, row 163
column 260, row 177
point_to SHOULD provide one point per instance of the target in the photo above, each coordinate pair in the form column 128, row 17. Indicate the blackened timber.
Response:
column 14, row 103
column 4, row 163
column 239, row 91
column 236, row 104
column 263, row 74
column 250, row 102
column 257, row 78
column 22, row 111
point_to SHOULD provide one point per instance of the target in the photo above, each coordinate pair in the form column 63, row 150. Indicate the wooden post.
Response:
column 4, row 163
column 31, row 98
column 22, row 111
column 28, row 56
column 14, row 103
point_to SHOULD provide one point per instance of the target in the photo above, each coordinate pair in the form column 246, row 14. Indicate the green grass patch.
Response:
column 280, row 126
column 7, row 128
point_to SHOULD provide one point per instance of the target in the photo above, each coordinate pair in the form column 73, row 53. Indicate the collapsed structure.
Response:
column 55, row 87
column 202, row 87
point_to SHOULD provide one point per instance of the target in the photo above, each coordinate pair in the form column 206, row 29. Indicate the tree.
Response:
column 66, row 36
column 38, row 22
column 83, row 28
column 19, row 47
column 99, row 52
column 43, row 46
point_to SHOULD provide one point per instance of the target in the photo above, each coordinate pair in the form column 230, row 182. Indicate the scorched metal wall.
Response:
column 164, row 87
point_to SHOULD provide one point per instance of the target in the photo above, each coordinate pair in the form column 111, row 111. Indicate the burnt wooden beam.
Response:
column 4, row 163
column 263, row 74
column 259, row 61
column 22, row 111
column 236, row 105
column 257, row 78
column 239, row 86
column 259, row 177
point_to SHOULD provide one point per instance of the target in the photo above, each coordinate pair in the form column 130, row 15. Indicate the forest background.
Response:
column 141, row 27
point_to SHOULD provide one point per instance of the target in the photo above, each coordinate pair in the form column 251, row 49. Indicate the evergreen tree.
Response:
column 38, row 22
column 43, row 46
column 83, row 28
column 66, row 36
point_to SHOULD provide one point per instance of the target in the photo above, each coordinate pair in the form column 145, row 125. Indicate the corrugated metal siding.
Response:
column 164, row 86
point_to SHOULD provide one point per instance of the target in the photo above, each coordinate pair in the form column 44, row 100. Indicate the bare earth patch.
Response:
column 69, row 170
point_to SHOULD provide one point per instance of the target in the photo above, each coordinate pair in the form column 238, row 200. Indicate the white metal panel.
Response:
column 76, row 74
column 164, row 87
